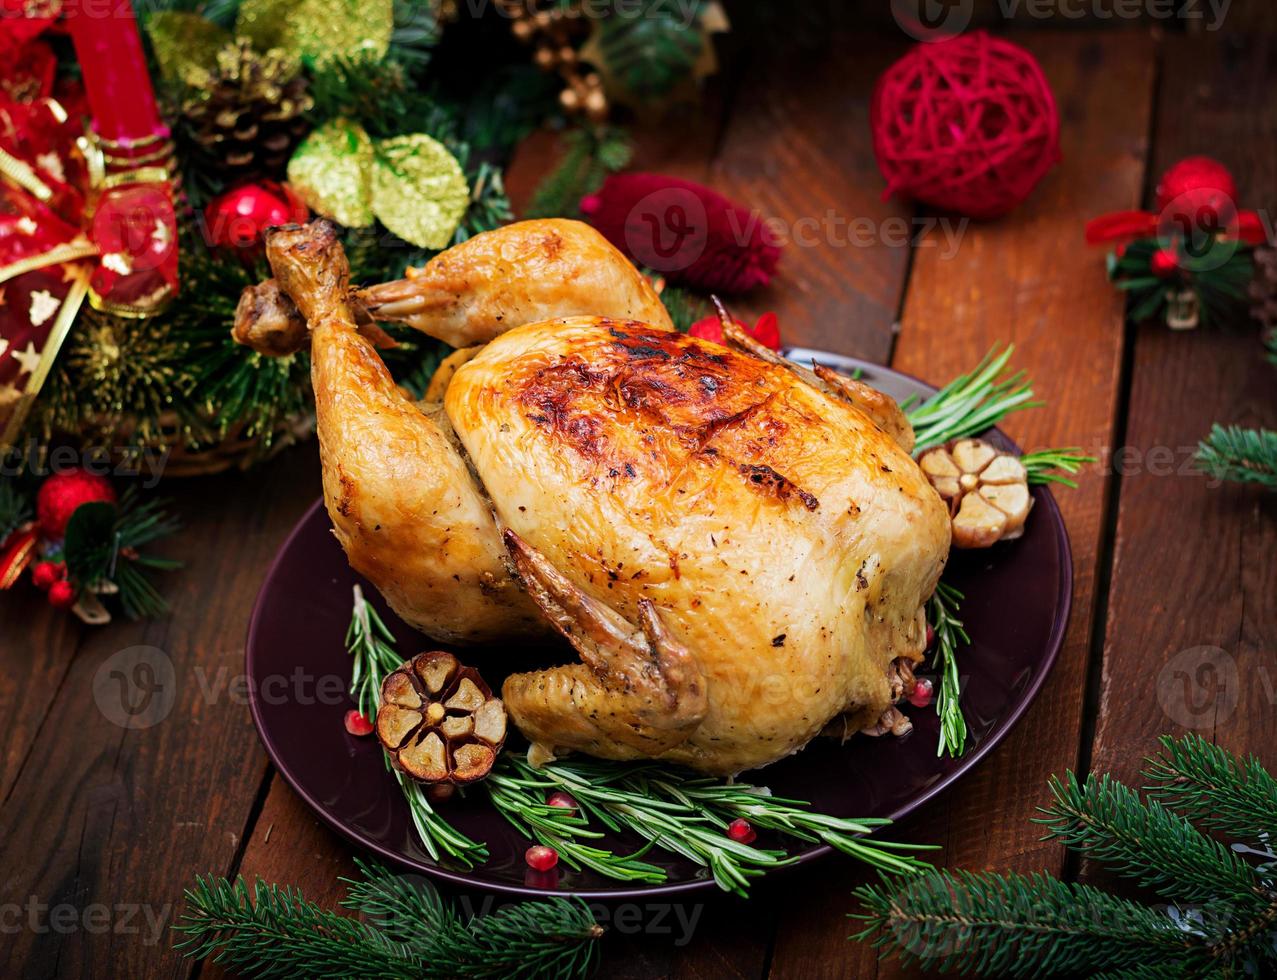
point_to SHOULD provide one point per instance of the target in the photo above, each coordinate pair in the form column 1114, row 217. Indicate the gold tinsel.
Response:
column 185, row 45
column 320, row 29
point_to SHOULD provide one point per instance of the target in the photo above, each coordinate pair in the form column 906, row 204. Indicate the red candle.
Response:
column 116, row 81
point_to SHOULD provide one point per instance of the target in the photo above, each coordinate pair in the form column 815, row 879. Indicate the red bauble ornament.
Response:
column 46, row 573
column 687, row 232
column 61, row 595
column 741, row 831
column 541, row 858
column 1199, row 190
column 357, row 724
column 967, row 124
column 240, row 217
column 1164, row 263
column 766, row 331
column 62, row 493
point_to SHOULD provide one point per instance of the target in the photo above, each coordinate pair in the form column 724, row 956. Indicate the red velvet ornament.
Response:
column 766, row 331
column 63, row 493
column 967, row 124
column 240, row 217
column 692, row 235
column 1200, row 187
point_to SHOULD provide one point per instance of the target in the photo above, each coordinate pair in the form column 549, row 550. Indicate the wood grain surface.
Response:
column 1166, row 565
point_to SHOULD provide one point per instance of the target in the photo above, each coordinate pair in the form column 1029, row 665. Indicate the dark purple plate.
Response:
column 1016, row 609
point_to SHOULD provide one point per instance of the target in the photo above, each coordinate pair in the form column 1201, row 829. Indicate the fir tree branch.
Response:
column 1240, row 455
column 970, row 403
column 1213, row 787
column 15, row 507
column 274, row 932
column 1107, row 821
column 1022, row 926
column 942, row 611
column 590, row 155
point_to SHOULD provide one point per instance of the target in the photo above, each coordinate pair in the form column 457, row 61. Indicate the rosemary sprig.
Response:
column 1051, row 465
column 679, row 812
column 942, row 611
column 369, row 641
column 970, row 403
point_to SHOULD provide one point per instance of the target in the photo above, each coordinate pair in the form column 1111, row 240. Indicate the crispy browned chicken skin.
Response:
column 738, row 552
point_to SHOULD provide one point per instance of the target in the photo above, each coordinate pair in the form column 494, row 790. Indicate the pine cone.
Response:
column 252, row 115
column 1263, row 289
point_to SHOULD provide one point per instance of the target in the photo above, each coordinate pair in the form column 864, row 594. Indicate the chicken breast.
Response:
column 781, row 538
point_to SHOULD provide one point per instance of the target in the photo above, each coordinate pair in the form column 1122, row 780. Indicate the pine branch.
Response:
column 537, row 939
column 1240, row 455
column 15, row 507
column 589, row 157
column 369, row 642
column 1050, row 465
column 1021, row 926
column 1107, row 821
column 942, row 611
column 1217, row 789
column 971, row 403
column 273, row 932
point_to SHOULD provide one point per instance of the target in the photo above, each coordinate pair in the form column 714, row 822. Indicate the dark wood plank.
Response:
column 1026, row 279
column 106, row 817
column 1192, row 621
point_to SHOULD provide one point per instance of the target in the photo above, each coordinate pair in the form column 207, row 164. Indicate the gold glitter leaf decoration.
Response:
column 319, row 29
column 332, row 171
column 185, row 45
column 419, row 190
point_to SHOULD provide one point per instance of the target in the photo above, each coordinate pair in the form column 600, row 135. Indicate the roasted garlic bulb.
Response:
column 986, row 490
column 438, row 720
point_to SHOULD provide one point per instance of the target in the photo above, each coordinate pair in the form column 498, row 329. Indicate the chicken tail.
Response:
column 637, row 693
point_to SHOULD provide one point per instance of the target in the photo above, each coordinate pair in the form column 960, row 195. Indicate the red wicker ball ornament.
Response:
column 968, row 124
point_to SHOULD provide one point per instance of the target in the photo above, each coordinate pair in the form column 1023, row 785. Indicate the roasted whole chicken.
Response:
column 738, row 549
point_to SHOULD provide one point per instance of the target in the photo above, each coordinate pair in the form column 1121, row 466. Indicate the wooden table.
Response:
column 95, row 815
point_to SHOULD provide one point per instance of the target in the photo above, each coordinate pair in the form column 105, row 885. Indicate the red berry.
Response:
column 46, row 573
column 61, row 595
column 920, row 696
column 561, row 799
column 541, row 858
column 741, row 831
column 1164, row 263
column 357, row 724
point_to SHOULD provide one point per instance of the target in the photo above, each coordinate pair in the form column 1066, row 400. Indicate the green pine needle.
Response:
column 1240, row 455
column 942, row 611
column 1017, row 925
column 272, row 931
column 590, row 155
column 15, row 507
column 971, row 403
column 1214, row 787
column 1051, row 465
column 1107, row 821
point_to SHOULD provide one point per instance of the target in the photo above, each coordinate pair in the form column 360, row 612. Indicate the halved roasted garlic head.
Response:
column 987, row 491
column 438, row 720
